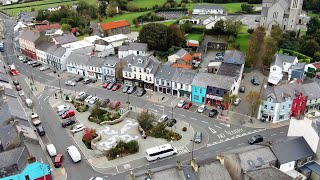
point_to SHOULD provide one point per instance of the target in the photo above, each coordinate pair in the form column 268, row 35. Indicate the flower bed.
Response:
column 80, row 107
column 89, row 135
column 123, row 149
column 100, row 115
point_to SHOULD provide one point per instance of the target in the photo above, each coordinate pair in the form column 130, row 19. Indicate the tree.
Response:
column 228, row 99
column 218, row 27
column 135, row 22
column 255, row 46
column 247, row 8
column 276, row 33
column 132, row 7
column 66, row 27
column 186, row 27
column 313, row 25
column 145, row 120
column 175, row 36
column 269, row 49
column 42, row 15
column 155, row 35
column 119, row 68
column 253, row 99
column 111, row 11
column 316, row 57
column 102, row 9
column 232, row 27
column 309, row 47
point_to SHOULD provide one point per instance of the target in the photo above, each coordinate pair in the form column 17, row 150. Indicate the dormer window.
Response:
column 140, row 60
column 134, row 69
column 129, row 65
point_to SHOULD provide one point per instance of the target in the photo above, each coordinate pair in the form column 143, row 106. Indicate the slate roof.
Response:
column 147, row 62
column 268, row 172
column 292, row 150
column 184, row 76
column 281, row 58
column 213, row 170
column 8, row 133
column 208, row 7
column 181, row 52
column 299, row 66
column 314, row 167
column 30, row 35
column 96, row 61
column 232, row 70
column 51, row 49
column 165, row 72
column 78, row 58
column 138, row 46
column 66, row 38
column 213, row 80
column 27, row 17
column 114, row 24
column 43, row 46
column 123, row 48
column 128, row 60
column 111, row 60
column 11, row 108
column 264, row 11
column 59, row 52
column 288, row 89
column 312, row 90
column 234, row 57
column 17, row 156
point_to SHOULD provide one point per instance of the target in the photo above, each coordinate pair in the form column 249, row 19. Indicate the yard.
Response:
column 243, row 41
column 127, row 16
column 197, row 37
column 148, row 3
column 229, row 7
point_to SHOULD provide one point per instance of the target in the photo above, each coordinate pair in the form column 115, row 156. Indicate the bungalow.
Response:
column 116, row 27
column 207, row 9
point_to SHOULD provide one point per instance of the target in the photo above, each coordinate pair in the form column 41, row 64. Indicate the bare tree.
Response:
column 253, row 98
column 119, row 69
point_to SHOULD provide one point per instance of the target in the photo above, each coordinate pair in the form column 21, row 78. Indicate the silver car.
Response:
column 70, row 83
column 198, row 137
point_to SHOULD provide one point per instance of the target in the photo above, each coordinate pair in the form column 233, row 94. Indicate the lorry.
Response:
column 51, row 150
column 35, row 119
column 74, row 153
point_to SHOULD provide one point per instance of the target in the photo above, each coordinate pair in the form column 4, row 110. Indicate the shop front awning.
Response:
column 210, row 96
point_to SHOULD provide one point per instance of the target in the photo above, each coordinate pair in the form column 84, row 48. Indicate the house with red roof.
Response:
column 48, row 27
column 115, row 27
column 182, row 54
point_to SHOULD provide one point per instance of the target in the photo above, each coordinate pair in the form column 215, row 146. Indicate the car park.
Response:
column 78, row 79
column 125, row 89
column 110, row 85
column 255, row 81
column 16, row 82
column 213, row 113
column 78, row 128
column 87, row 81
column 43, row 68
column 70, row 83
column 20, row 58
column 93, row 100
column 201, row 108
column 36, row 64
column 88, row 99
column 242, row 89
column 141, row 92
column 58, row 160
column 187, row 105
column 68, row 114
column 131, row 89
column 181, row 103
column 198, row 137
column 237, row 101
column 116, row 87
column 255, row 139
column 68, row 123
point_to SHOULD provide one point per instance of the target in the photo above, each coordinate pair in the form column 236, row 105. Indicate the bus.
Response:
column 160, row 152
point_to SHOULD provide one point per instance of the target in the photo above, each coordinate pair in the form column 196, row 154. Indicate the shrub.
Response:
column 250, row 31
column 133, row 146
column 231, row 39
column 184, row 129
column 87, row 137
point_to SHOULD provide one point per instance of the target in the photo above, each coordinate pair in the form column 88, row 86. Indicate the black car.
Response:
column 125, row 89
column 255, row 139
column 16, row 82
column 171, row 122
column 94, row 80
column 141, row 92
column 213, row 113
column 78, row 79
column 110, row 86
column 131, row 90
column 242, row 89
column 36, row 65
column 25, row 61
column 255, row 81
column 68, row 123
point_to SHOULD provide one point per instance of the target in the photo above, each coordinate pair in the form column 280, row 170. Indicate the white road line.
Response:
column 153, row 110
column 229, row 147
column 193, row 118
column 182, row 115
column 264, row 137
column 158, row 105
column 240, row 144
column 41, row 107
column 281, row 132
column 273, row 134
column 218, row 126
column 39, row 96
column 205, row 122
column 46, row 98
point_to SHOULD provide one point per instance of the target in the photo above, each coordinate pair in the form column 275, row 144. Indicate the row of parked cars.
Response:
column 82, row 96
column 126, row 89
column 187, row 105
column 64, row 111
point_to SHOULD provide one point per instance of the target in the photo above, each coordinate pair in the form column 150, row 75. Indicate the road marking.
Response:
column 281, row 132
column 126, row 166
column 158, row 105
column 264, row 137
column 229, row 147
column 153, row 110
column 240, row 144
column 212, row 130
column 182, row 115
column 41, row 107
column 39, row 97
column 225, row 124
column 193, row 118
column 46, row 98
column 205, row 122
column 273, row 134
column 218, row 126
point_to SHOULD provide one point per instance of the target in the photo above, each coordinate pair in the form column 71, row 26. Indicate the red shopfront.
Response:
column 298, row 106
column 29, row 53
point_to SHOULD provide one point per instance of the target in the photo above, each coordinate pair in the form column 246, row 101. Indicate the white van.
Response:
column 51, row 150
column 74, row 153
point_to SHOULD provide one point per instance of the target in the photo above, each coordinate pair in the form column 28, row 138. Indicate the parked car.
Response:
column 125, row 89
column 70, row 83
column 131, row 89
column 163, row 118
column 60, row 113
column 255, row 81
column 213, row 113
column 40, row 131
column 26, row 61
column 141, row 92
column 63, row 107
column 80, row 95
column 68, row 114
column 110, row 85
column 88, row 99
column 116, row 87
column 242, row 89
column 21, row 93
column 93, row 100
column 187, row 105
column 36, row 64
column 171, row 122
column 68, row 123
column 94, row 80
column 31, row 62
column 255, row 139
column 201, row 108
column 78, row 128
column 181, row 103
column 18, row 88
column 115, row 104
column 43, row 68
column 198, row 137
column 15, row 82
column 14, row 72
column 237, row 101
column 58, row 160
column 20, row 58
column 87, row 81
column 78, row 79
column 105, row 85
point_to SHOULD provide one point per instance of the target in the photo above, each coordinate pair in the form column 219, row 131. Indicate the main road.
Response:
column 219, row 136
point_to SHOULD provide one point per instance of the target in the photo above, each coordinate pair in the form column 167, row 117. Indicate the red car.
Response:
column 116, row 87
column 14, row 72
column 188, row 105
column 58, row 160
column 68, row 114
column 105, row 85
column 115, row 104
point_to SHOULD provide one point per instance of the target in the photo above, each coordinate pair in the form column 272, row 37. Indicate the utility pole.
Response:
column 192, row 148
column 128, row 102
column 60, row 86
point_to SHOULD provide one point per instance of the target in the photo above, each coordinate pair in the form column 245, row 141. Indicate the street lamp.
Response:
column 192, row 147
column 60, row 85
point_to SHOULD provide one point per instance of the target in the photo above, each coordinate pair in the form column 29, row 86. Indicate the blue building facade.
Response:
column 33, row 171
column 198, row 94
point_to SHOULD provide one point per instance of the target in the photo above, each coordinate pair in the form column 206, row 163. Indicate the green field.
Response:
column 167, row 23
column 313, row 15
column 148, row 3
column 243, row 41
column 197, row 37
column 229, row 7
column 126, row 16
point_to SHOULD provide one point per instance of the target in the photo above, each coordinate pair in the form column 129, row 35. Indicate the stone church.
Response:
column 286, row 13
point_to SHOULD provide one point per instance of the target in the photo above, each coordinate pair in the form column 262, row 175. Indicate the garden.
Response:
column 99, row 115
column 88, row 136
column 123, row 149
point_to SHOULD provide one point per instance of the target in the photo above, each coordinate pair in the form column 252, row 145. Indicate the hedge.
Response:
column 295, row 53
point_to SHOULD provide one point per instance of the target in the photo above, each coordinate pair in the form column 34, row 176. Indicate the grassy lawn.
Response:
column 148, row 3
column 79, row 38
column 313, row 15
column 197, row 37
column 244, row 29
column 167, row 23
column 126, row 16
column 229, row 7
column 243, row 41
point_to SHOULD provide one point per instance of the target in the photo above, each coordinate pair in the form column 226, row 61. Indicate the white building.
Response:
column 182, row 82
column 282, row 64
column 41, row 53
column 77, row 63
column 94, row 67
column 207, row 9
column 133, row 48
column 109, row 68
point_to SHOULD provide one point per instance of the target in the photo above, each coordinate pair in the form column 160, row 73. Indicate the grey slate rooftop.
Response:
column 111, row 61
column 208, row 7
column 281, row 58
column 43, row 46
column 213, row 80
column 184, row 76
column 312, row 90
column 142, row 62
column 30, row 35
column 77, row 58
column 232, row 70
column 17, row 157
column 165, row 72
column 181, row 52
column 213, row 170
column 269, row 172
column 138, row 46
column 234, row 57
column 96, row 61
column 59, row 52
column 66, row 38
column 292, row 150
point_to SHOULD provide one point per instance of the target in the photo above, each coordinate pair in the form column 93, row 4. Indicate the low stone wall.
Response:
column 94, row 142
column 116, row 120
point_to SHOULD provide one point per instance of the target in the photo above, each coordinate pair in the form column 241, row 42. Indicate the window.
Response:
column 271, row 108
column 140, row 77
column 168, row 84
column 135, row 76
column 265, row 107
column 281, row 117
column 195, row 89
column 134, row 69
column 200, row 90
column 150, row 79
column 274, row 69
column 126, row 73
column 217, row 92
column 196, row 97
column 282, row 108
column 137, row 52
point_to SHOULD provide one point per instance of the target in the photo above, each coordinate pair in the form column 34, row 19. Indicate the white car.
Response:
column 80, row 95
column 34, row 115
column 70, row 83
column 78, row 128
column 181, row 103
column 88, row 99
column 237, row 101
column 96, row 178
column 20, row 58
column 93, row 100
column 44, row 68
column 31, row 62
column 21, row 93
column 63, row 107
column 201, row 108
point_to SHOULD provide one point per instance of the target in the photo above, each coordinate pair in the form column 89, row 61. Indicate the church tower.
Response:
column 294, row 12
